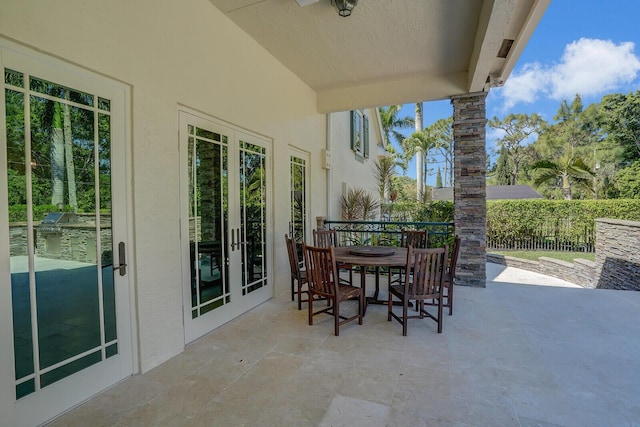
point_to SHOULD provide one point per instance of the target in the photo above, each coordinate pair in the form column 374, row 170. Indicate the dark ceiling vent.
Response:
column 505, row 47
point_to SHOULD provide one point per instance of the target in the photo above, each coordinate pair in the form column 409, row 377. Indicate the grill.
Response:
column 52, row 222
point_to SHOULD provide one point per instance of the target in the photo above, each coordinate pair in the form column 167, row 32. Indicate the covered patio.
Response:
column 527, row 350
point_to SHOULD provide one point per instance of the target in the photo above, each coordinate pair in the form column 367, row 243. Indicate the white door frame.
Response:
column 195, row 328
column 54, row 399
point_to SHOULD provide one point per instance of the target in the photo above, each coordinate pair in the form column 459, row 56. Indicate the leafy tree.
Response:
column 404, row 187
column 439, row 179
column 628, row 181
column 442, row 134
column 503, row 169
column 620, row 119
column 517, row 130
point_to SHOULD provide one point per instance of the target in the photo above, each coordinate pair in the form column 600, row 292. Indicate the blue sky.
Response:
column 590, row 47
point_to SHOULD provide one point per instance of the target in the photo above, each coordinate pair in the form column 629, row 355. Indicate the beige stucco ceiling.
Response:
column 390, row 51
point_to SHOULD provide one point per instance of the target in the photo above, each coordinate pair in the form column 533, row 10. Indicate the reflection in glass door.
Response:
column 253, row 213
column 225, row 214
column 208, row 222
column 61, row 240
column 298, row 202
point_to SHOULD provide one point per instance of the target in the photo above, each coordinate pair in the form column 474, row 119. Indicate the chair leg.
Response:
column 310, row 305
column 389, row 306
column 299, row 295
column 440, row 314
column 405, row 310
column 360, row 308
column 292, row 291
column 336, row 317
column 450, row 298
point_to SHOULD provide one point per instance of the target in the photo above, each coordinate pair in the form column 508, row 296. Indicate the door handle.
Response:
column 233, row 241
column 122, row 260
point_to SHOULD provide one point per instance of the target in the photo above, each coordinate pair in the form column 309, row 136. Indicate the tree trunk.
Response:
column 419, row 156
column 566, row 187
column 68, row 154
column 450, row 161
column 57, row 159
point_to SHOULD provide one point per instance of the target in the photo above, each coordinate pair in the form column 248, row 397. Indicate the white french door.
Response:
column 225, row 211
column 65, row 326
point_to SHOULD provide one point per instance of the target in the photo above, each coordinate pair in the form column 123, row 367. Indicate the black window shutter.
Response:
column 353, row 130
column 365, row 137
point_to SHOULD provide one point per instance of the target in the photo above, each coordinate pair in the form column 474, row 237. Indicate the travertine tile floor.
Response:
column 513, row 354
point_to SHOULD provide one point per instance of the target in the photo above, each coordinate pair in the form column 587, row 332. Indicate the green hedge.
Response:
column 18, row 213
column 562, row 220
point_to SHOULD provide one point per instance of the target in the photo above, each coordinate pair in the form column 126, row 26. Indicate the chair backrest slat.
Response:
column 425, row 269
column 415, row 238
column 325, row 238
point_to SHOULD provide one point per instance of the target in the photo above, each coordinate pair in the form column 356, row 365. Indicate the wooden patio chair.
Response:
column 322, row 273
column 423, row 281
column 418, row 239
column 449, row 277
column 298, row 275
column 326, row 238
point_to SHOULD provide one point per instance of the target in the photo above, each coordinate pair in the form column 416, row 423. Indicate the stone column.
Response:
column 470, row 188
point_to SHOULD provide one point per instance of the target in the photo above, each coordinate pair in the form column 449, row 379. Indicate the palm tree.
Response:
column 419, row 156
column 569, row 170
column 391, row 123
column 418, row 144
column 57, row 158
column 384, row 169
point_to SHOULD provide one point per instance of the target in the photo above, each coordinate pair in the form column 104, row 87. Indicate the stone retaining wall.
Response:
column 617, row 264
column 618, row 254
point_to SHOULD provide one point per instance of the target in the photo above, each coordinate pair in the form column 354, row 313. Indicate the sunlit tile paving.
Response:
column 513, row 354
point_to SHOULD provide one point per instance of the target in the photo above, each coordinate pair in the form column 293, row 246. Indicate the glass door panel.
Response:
column 298, row 204
column 224, row 202
column 208, row 221
column 253, row 203
column 60, row 228
column 66, row 331
column 60, row 231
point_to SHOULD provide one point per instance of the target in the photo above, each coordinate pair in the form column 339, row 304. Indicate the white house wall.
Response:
column 347, row 172
column 174, row 53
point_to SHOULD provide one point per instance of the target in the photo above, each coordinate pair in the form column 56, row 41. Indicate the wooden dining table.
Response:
column 371, row 256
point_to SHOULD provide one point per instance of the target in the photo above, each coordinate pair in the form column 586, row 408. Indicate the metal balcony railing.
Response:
column 387, row 233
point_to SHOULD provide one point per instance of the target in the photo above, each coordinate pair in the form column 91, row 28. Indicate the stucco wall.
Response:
column 347, row 171
column 174, row 53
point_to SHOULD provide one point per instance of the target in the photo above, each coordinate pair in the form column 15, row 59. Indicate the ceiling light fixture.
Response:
column 344, row 6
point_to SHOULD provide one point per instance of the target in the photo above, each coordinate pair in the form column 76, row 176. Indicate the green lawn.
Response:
column 534, row 255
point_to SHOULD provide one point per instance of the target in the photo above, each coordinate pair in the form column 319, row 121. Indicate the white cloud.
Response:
column 525, row 86
column 589, row 67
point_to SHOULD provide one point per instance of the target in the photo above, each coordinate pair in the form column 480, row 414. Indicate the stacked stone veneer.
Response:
column 469, row 193
column 74, row 242
column 617, row 264
column 618, row 254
